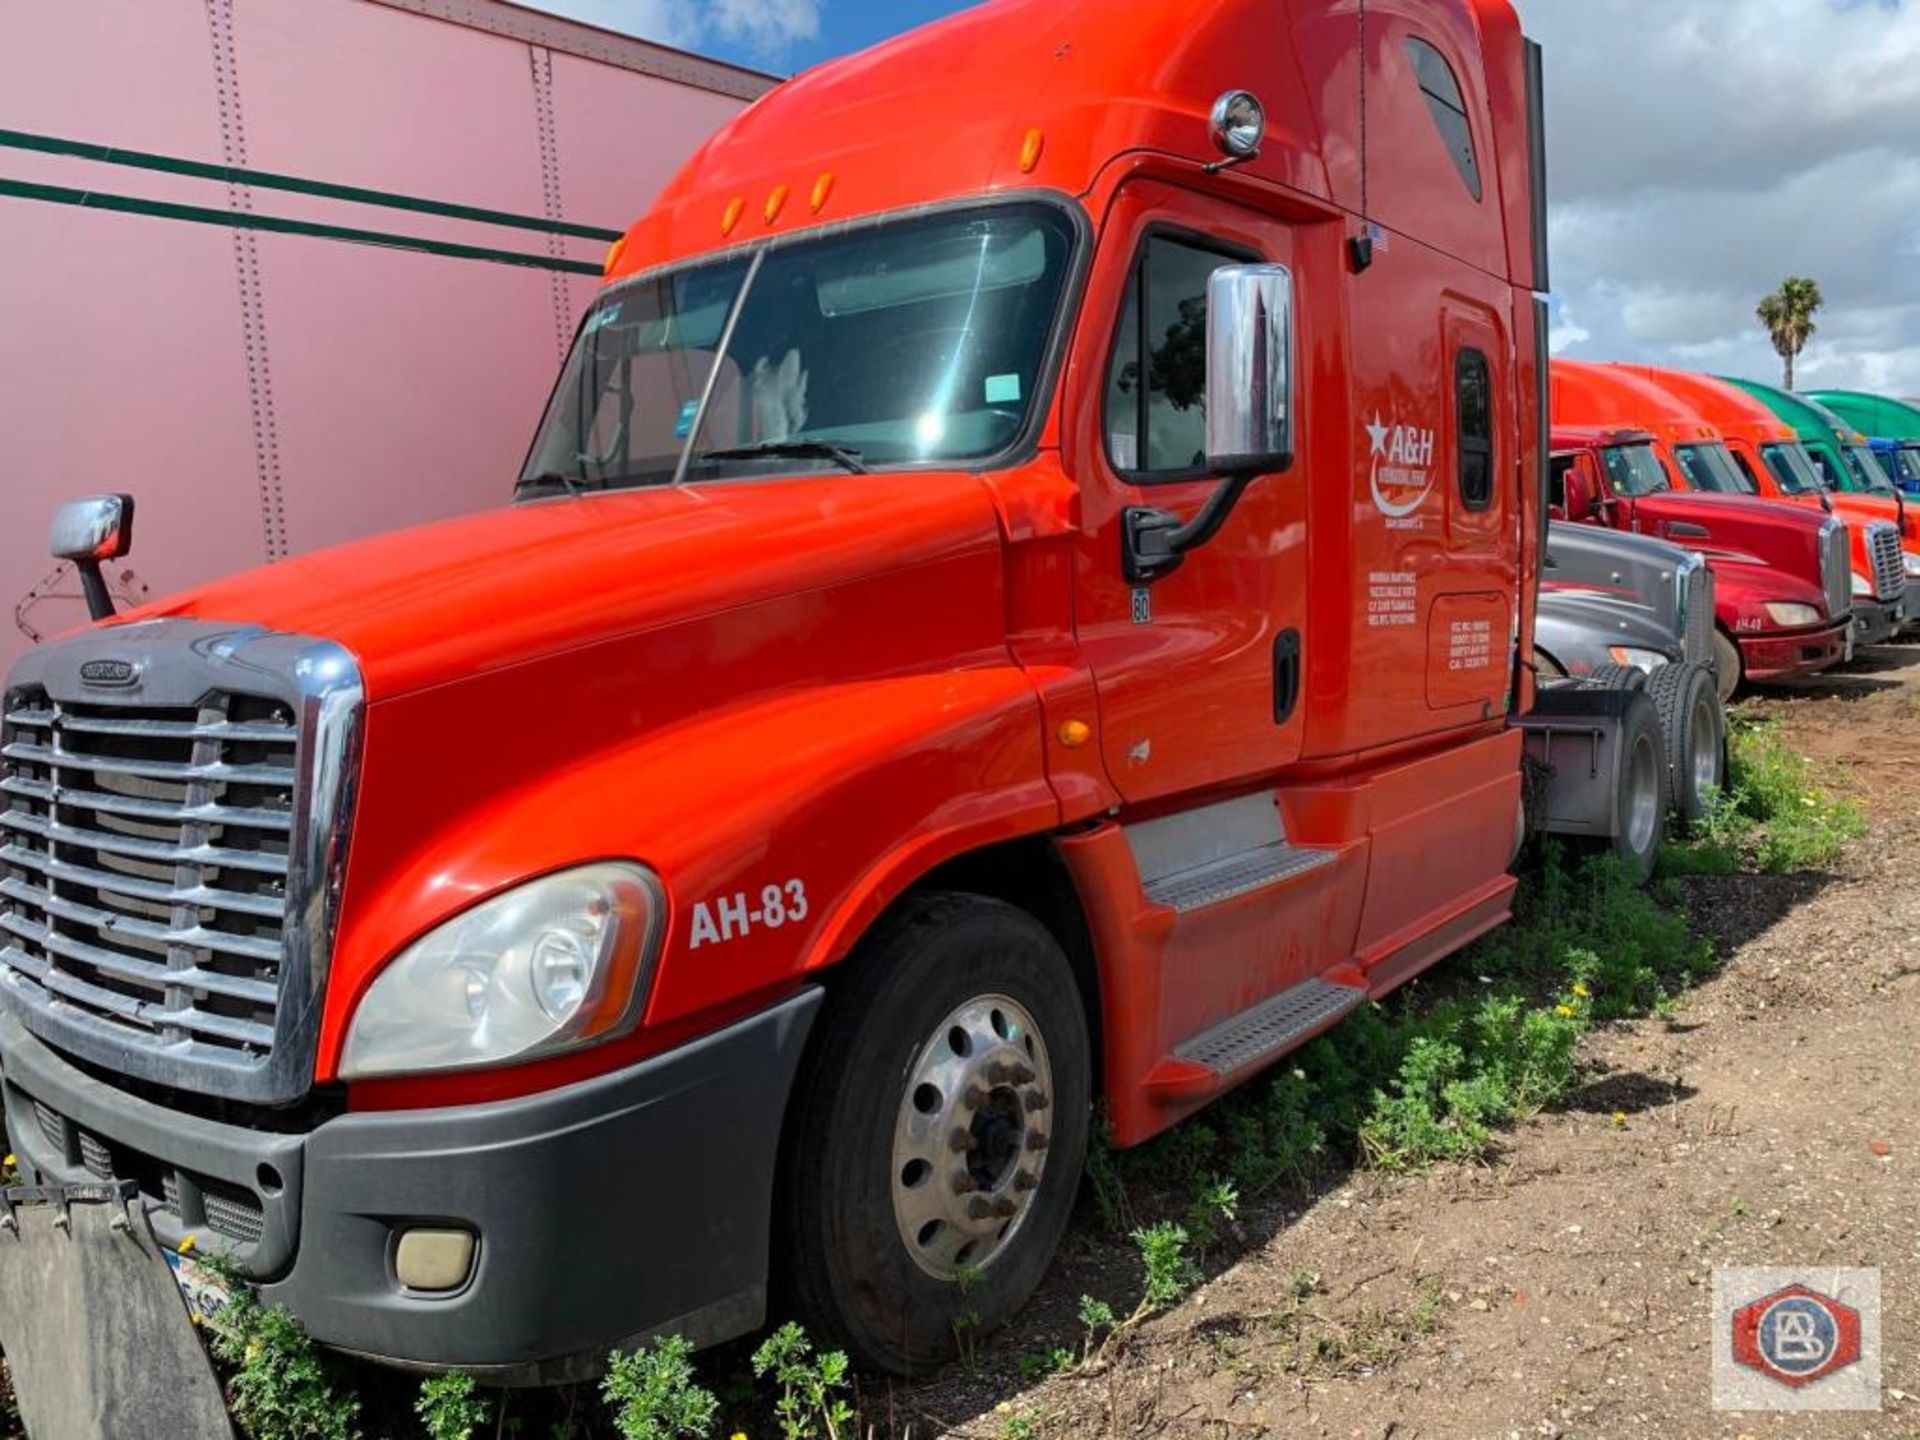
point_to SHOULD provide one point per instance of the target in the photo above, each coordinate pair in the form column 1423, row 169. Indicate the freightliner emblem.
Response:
column 109, row 674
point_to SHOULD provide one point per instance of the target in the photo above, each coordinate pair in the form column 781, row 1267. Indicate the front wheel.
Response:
column 1694, row 722
column 938, row 1132
column 1726, row 665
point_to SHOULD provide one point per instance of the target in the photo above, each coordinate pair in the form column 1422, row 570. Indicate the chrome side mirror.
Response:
column 87, row 532
column 1250, row 402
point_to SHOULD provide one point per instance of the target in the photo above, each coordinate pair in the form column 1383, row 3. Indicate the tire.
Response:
column 958, row 1023
column 1640, row 790
column 1693, row 724
column 1726, row 665
column 1617, row 677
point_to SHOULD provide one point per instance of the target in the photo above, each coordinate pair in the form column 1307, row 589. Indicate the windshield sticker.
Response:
column 683, row 426
column 1003, row 390
column 602, row 318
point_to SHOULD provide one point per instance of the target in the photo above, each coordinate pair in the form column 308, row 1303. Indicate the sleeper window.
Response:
column 1441, row 89
column 1156, row 416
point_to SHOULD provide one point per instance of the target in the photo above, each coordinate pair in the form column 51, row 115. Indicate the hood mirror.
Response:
column 87, row 532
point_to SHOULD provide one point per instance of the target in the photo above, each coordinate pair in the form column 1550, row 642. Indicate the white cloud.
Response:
column 1701, row 150
column 768, row 28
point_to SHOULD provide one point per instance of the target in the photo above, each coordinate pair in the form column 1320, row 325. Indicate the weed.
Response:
column 811, row 1405
column 1772, row 818
column 450, row 1407
column 1170, row 1274
column 283, row 1387
column 655, row 1396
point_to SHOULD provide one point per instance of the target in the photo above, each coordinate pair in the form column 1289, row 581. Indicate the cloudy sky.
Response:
column 1700, row 151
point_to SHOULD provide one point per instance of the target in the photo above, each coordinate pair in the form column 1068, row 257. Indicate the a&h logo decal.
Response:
column 1796, row 1336
column 1400, row 474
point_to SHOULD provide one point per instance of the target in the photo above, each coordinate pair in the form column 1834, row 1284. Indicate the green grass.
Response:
column 1773, row 819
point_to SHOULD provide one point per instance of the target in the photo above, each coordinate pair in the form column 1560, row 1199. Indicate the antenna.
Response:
column 1360, row 247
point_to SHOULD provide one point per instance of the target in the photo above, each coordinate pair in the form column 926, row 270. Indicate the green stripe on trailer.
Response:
column 242, row 220
column 268, row 180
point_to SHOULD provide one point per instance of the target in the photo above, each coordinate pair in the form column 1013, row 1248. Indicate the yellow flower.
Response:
column 1580, row 989
column 9, row 1162
column 1564, row 1011
column 186, row 1245
column 1620, row 1119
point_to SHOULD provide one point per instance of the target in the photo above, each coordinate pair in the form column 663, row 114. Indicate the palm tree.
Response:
column 1788, row 315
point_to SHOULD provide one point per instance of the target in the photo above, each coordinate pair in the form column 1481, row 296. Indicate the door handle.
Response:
column 1286, row 675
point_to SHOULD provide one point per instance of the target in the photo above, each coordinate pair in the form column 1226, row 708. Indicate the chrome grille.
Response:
column 1836, row 569
column 1694, row 582
column 143, row 863
column 1889, row 566
column 174, row 805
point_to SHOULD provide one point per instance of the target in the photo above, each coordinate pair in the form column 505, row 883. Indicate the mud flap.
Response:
column 94, row 1327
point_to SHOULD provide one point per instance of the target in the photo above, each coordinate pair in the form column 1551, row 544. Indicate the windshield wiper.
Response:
column 547, row 479
column 792, row 450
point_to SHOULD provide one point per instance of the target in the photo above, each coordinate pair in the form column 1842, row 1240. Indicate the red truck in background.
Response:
column 1769, row 623
column 1774, row 465
column 917, row 696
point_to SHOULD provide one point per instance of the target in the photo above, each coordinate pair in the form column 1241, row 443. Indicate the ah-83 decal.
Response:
column 732, row 917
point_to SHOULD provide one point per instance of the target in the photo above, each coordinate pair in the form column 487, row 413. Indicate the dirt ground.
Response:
column 1565, row 1288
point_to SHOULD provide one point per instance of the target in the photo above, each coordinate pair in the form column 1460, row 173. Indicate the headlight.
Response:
column 1862, row 587
column 554, row 964
column 1912, row 562
column 1789, row 616
column 1648, row 660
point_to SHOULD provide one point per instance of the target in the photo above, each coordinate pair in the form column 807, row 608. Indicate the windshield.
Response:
column 1710, row 467
column 1866, row 470
column 1907, row 467
column 1634, row 470
column 1792, row 468
column 899, row 343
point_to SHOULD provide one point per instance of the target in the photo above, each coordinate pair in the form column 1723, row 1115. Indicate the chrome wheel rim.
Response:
column 1705, row 760
column 1643, row 796
column 970, row 1144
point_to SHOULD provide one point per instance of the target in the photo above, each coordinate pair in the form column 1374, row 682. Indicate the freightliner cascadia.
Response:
column 1022, row 599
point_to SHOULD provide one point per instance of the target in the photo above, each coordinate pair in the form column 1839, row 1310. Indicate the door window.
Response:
column 1156, row 415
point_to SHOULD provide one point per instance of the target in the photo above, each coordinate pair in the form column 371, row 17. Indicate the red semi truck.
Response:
column 1769, row 622
column 918, row 695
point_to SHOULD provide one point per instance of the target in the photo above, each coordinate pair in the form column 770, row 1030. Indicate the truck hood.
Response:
column 1738, row 527
column 441, row 602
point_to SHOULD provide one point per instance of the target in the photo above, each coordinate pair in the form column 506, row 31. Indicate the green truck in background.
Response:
column 1840, row 452
column 1892, row 428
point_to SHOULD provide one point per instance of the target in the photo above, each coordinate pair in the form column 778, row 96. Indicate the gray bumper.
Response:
column 1875, row 621
column 606, row 1212
column 1910, row 608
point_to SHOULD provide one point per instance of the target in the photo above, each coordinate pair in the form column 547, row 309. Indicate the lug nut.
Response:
column 1037, row 1100
column 979, row 1208
column 1026, row 1180
column 960, row 1139
column 964, row 1184
column 999, row 1073
column 974, row 1097
column 1023, row 1075
column 1037, row 1142
column 1004, row 1208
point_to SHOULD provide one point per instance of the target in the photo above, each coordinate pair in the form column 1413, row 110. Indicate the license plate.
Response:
column 205, row 1290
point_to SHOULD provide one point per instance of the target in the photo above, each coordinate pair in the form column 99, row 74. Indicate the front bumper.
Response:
column 1771, row 655
column 1875, row 621
column 606, row 1212
column 1910, row 608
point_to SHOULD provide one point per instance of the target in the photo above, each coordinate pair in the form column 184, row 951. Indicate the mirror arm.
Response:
column 1156, row 541
column 93, row 585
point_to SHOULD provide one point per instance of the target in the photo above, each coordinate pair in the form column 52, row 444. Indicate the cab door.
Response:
column 1200, row 673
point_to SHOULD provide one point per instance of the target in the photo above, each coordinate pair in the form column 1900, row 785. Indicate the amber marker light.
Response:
column 1030, row 149
column 822, row 188
column 614, row 252
column 731, row 216
column 1075, row 733
column 776, row 202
